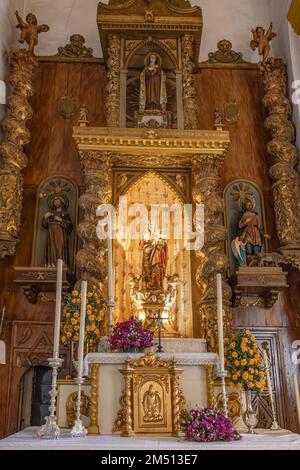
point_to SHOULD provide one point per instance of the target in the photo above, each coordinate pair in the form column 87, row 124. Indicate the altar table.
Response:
column 108, row 383
column 264, row 440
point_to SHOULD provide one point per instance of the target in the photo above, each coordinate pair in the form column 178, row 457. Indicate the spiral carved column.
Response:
column 207, row 190
column 189, row 91
column 284, row 154
column 113, row 81
column 91, row 259
column 12, row 157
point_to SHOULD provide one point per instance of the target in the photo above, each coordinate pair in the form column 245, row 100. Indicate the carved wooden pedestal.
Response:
column 254, row 286
column 36, row 281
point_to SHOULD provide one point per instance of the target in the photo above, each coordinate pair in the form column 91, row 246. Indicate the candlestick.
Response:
column 82, row 326
column 111, row 300
column 78, row 429
column 220, row 320
column 50, row 429
column 297, row 394
column 274, row 426
column 222, row 372
column 58, row 307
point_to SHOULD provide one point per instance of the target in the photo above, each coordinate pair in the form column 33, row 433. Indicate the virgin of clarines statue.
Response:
column 58, row 223
column 153, row 90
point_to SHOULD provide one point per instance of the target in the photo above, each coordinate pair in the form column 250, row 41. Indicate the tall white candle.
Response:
column 110, row 269
column 57, row 308
column 220, row 320
column 297, row 395
column 82, row 326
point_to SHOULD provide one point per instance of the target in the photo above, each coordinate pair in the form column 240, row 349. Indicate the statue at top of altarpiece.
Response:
column 57, row 222
column 153, row 91
column 152, row 111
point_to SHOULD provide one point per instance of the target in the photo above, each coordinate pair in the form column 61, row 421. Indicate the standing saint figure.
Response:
column 153, row 90
column 59, row 225
column 250, row 231
column 154, row 263
column 30, row 31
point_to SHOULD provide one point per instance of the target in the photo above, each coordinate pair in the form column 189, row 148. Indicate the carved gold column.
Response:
column 113, row 81
column 284, row 154
column 12, row 158
column 207, row 190
column 91, row 259
column 94, row 424
column 189, row 91
column 127, row 430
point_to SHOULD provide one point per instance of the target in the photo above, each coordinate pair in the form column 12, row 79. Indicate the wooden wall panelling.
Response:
column 31, row 345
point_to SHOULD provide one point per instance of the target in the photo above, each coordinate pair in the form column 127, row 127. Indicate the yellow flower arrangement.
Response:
column 95, row 318
column 243, row 361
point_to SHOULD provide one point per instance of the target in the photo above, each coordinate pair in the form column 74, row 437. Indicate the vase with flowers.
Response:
column 130, row 336
column 245, row 370
column 95, row 318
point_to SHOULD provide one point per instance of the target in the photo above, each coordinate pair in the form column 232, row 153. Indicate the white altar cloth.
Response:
column 264, row 440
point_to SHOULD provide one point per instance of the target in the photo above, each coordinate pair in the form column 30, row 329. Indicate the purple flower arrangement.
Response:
column 130, row 334
column 207, row 425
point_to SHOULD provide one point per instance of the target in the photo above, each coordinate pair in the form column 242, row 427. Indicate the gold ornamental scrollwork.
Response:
column 152, row 402
column 211, row 259
column 285, row 158
column 113, row 81
column 12, row 157
column 189, row 91
column 97, row 173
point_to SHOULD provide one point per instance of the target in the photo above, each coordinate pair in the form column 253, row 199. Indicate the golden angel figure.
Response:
column 30, row 31
column 261, row 40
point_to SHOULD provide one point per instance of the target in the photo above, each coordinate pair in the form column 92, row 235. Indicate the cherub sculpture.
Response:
column 261, row 40
column 30, row 31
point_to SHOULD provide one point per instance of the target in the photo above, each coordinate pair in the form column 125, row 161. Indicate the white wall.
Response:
column 230, row 19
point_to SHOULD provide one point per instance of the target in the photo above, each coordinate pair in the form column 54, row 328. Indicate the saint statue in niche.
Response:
column 154, row 264
column 153, row 90
column 57, row 222
column 152, row 406
column 249, row 243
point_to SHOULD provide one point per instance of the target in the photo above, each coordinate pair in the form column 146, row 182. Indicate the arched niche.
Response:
column 130, row 81
column 152, row 188
column 49, row 188
column 233, row 194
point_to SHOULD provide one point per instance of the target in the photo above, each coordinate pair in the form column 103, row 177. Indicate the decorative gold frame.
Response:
column 150, row 370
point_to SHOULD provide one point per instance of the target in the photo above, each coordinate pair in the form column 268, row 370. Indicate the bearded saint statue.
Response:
column 153, row 90
column 58, row 224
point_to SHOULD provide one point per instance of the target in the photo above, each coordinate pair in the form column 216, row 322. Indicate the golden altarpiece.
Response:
column 151, row 152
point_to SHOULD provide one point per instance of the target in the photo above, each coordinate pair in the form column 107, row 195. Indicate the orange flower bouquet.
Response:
column 95, row 317
column 243, row 362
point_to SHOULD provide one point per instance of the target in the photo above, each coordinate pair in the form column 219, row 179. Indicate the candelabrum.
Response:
column 78, row 429
column 223, row 374
column 111, row 306
column 50, row 429
column 274, row 426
